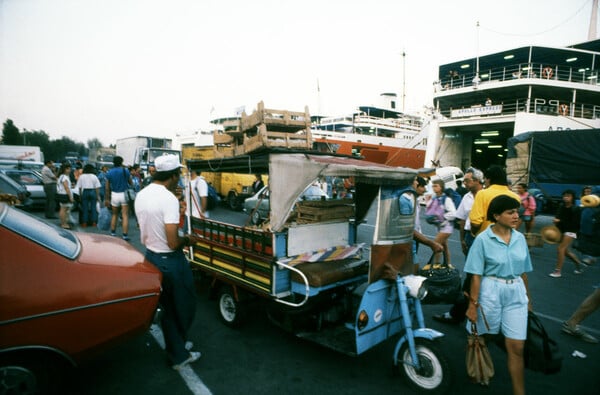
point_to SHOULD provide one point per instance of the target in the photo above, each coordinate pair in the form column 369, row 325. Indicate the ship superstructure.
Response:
column 481, row 102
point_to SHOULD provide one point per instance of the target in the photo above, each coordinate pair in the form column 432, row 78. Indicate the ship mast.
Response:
column 476, row 79
column 404, row 78
column 592, row 35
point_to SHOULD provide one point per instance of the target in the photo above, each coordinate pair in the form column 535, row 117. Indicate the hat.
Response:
column 551, row 234
column 167, row 163
column 590, row 201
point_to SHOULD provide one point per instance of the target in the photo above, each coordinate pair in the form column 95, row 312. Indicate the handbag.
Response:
column 443, row 282
column 541, row 353
column 480, row 367
column 129, row 192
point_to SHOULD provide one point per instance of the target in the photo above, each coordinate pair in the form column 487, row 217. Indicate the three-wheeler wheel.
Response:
column 231, row 311
column 434, row 374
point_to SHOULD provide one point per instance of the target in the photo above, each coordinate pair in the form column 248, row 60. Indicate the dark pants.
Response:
column 459, row 308
column 89, row 214
column 50, row 206
column 177, row 300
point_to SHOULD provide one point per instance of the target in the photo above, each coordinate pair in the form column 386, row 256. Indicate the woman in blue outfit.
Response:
column 499, row 260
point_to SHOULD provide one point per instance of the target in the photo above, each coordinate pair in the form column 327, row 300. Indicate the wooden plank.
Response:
column 220, row 138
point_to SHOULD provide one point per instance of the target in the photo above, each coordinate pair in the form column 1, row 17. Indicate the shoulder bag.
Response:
column 129, row 192
column 541, row 353
column 480, row 367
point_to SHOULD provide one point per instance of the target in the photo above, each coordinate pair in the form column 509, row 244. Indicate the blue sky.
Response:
column 116, row 68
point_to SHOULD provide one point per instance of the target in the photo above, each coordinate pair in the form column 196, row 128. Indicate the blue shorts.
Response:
column 526, row 218
column 505, row 308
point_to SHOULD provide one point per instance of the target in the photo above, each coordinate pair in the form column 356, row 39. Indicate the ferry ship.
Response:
column 481, row 102
column 378, row 133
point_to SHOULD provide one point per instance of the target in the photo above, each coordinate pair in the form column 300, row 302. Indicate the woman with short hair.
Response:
column 499, row 261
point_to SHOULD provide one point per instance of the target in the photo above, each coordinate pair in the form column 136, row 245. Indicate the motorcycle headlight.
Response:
column 416, row 287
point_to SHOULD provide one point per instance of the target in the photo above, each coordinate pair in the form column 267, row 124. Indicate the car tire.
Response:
column 33, row 373
column 233, row 202
column 255, row 218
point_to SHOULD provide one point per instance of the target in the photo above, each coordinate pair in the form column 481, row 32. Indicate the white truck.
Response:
column 21, row 153
column 143, row 150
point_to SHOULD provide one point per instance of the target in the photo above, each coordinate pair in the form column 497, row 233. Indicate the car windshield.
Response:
column 24, row 178
column 48, row 235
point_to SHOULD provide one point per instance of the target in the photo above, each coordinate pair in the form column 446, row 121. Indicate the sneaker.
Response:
column 446, row 318
column 578, row 332
column 189, row 345
column 588, row 261
column 579, row 270
column 125, row 237
column 194, row 356
column 112, row 233
column 555, row 274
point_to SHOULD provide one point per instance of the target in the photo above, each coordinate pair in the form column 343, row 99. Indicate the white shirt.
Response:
column 156, row 206
column 464, row 208
column 314, row 192
column 87, row 181
column 60, row 186
column 199, row 189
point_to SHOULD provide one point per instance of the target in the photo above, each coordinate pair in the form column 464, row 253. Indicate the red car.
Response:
column 64, row 296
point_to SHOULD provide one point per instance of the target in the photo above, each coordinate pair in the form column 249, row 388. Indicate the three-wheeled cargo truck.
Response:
column 318, row 282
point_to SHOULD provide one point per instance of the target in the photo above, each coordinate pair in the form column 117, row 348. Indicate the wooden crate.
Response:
column 232, row 126
column 276, row 120
column 266, row 138
column 222, row 138
column 324, row 210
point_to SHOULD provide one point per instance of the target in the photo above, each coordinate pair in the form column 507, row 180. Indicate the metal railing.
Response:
column 540, row 106
column 518, row 71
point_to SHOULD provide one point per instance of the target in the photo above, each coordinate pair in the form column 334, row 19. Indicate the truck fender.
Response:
column 425, row 333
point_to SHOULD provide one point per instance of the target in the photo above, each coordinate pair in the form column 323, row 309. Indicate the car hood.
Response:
column 97, row 251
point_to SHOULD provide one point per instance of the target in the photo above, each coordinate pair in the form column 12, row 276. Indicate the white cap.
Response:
column 167, row 163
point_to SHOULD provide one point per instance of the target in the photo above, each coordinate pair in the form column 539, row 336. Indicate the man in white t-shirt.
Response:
column 199, row 195
column 157, row 210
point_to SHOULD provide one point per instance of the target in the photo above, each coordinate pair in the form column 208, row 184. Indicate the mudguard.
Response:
column 425, row 333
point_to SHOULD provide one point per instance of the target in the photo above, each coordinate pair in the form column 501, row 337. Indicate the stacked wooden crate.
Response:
column 311, row 211
column 264, row 128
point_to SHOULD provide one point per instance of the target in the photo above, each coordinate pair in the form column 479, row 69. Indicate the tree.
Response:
column 10, row 134
column 94, row 143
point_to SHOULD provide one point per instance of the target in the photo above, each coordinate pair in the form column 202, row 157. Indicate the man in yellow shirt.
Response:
column 495, row 184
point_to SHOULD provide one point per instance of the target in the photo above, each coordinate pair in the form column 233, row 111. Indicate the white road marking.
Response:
column 188, row 375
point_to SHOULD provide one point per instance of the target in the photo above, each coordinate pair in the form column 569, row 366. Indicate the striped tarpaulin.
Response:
column 328, row 254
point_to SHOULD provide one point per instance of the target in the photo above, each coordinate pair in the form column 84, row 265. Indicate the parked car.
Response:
column 20, row 164
column 257, row 206
column 65, row 296
column 32, row 181
column 8, row 185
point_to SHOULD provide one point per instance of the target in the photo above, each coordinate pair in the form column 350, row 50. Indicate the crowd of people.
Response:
column 489, row 217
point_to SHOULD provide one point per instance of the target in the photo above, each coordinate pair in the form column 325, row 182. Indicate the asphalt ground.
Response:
column 266, row 351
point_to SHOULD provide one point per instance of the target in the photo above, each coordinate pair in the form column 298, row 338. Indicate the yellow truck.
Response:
column 233, row 188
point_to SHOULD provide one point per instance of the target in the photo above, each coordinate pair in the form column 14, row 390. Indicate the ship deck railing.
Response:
column 538, row 106
column 519, row 71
